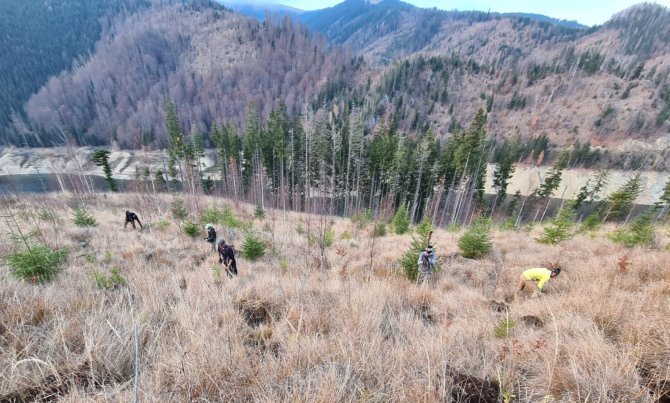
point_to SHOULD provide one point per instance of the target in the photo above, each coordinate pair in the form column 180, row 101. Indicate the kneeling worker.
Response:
column 541, row 275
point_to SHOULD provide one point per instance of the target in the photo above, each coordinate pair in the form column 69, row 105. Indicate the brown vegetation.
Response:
column 286, row 331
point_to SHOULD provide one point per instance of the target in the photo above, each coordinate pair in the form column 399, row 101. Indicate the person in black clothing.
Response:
column 227, row 257
column 131, row 218
column 211, row 236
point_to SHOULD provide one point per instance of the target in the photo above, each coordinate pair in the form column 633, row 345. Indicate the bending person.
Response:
column 131, row 218
column 227, row 257
column 537, row 278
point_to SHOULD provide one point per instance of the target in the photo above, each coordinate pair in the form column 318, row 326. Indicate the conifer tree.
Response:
column 551, row 183
column 401, row 220
column 559, row 229
column 590, row 192
column 622, row 200
column 476, row 143
column 175, row 140
column 427, row 151
column 101, row 159
column 251, row 148
column 664, row 201
column 506, row 166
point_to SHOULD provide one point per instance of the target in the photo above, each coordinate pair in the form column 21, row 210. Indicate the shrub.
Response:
column 346, row 236
column 283, row 265
column 639, row 233
column 504, row 327
column 379, row 229
column 178, row 209
column 191, row 229
column 83, row 219
column 559, row 229
column 108, row 282
column 329, row 238
column 38, row 263
column 230, row 220
column 225, row 217
column 163, row 224
column 108, row 257
column 217, row 273
column 592, row 222
column 509, row 224
column 299, row 229
column 401, row 221
column 212, row 215
column 476, row 241
column 47, row 215
column 361, row 220
column 259, row 212
column 253, row 247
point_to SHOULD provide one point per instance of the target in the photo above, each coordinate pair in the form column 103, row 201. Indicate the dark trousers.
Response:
column 133, row 223
column 232, row 267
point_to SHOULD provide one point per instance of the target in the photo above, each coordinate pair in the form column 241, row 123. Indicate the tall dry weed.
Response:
column 291, row 328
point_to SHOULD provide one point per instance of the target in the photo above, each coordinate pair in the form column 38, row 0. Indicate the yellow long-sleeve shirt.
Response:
column 538, row 274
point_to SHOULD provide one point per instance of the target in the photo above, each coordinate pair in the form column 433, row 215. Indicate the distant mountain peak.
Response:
column 258, row 9
column 390, row 3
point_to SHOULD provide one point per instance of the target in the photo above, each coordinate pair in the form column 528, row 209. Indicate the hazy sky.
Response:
column 588, row 12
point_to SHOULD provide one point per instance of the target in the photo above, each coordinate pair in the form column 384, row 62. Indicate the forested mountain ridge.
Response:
column 259, row 11
column 213, row 63
column 606, row 86
column 392, row 29
column 42, row 38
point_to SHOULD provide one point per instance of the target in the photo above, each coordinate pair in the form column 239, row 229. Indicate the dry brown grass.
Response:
column 286, row 331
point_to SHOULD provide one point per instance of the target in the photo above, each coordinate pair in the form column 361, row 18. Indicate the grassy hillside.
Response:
column 299, row 325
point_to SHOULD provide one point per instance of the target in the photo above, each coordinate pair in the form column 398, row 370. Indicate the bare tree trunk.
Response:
column 418, row 186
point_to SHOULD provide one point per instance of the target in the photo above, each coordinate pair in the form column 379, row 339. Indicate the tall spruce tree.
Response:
column 175, row 141
column 621, row 201
column 509, row 154
column 101, row 159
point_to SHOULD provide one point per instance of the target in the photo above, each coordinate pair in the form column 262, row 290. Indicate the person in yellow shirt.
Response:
column 540, row 275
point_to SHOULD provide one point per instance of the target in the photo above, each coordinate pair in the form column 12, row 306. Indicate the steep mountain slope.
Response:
column 357, row 21
column 543, row 18
column 607, row 86
column 41, row 38
column 422, row 69
column 392, row 29
column 211, row 62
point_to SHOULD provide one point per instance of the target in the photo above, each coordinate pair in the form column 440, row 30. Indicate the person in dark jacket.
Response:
column 211, row 236
column 131, row 218
column 227, row 257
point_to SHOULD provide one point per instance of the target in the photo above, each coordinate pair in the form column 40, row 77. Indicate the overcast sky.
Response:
column 588, row 12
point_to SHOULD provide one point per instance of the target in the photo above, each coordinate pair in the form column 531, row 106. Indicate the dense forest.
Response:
column 325, row 163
